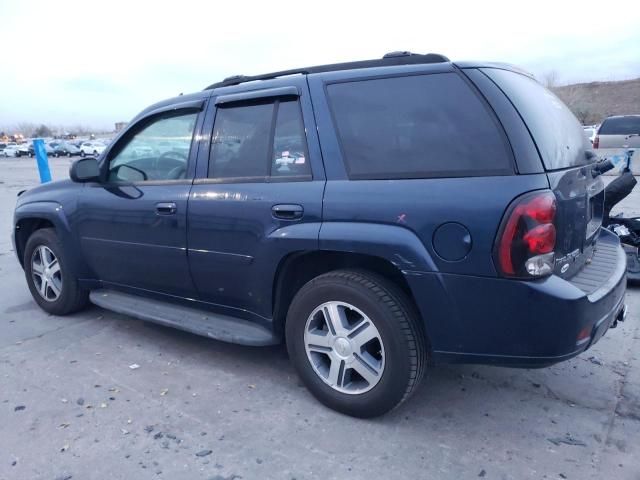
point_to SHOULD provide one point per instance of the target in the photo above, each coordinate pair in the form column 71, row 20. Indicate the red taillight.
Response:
column 596, row 142
column 541, row 239
column 542, row 208
column 528, row 237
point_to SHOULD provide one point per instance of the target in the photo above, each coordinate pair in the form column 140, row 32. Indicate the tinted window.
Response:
column 240, row 143
column 244, row 143
column 620, row 126
column 556, row 131
column 416, row 126
column 145, row 157
column 289, row 146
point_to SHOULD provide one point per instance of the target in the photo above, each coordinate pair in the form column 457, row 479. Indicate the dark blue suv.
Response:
column 375, row 215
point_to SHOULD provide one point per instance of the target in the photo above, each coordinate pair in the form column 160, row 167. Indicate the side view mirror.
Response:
column 84, row 170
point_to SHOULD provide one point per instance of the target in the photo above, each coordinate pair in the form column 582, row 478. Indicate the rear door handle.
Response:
column 166, row 208
column 287, row 211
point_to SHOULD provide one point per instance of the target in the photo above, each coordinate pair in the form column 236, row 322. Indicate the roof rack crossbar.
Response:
column 390, row 59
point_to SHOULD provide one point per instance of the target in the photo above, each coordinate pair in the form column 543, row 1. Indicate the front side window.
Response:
column 159, row 151
column 259, row 141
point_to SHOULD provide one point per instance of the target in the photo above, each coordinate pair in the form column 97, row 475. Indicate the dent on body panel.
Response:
column 397, row 244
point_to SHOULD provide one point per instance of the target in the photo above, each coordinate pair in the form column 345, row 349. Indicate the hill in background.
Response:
column 592, row 102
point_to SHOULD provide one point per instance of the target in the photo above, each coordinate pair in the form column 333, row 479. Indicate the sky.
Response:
column 81, row 62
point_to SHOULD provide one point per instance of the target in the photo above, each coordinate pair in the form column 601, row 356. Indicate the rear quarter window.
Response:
column 555, row 129
column 417, row 127
column 620, row 126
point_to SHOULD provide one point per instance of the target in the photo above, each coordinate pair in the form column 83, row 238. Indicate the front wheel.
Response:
column 356, row 342
column 51, row 282
column 82, row 154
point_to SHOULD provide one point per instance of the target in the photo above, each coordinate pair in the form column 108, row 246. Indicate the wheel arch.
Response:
column 30, row 217
column 24, row 228
column 298, row 268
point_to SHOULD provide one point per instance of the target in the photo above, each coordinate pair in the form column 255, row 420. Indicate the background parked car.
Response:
column 22, row 150
column 29, row 151
column 65, row 148
column 616, row 135
column 92, row 148
column 11, row 150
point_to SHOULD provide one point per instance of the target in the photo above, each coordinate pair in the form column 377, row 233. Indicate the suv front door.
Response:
column 132, row 224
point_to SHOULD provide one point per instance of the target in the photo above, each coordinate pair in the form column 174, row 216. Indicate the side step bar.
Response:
column 200, row 322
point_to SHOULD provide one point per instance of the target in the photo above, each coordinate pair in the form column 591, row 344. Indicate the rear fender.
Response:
column 403, row 249
column 396, row 244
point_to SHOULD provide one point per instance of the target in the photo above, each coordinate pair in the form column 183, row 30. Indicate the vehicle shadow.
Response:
column 469, row 392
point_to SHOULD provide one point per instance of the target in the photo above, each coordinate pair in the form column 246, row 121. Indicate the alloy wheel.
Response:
column 344, row 347
column 46, row 273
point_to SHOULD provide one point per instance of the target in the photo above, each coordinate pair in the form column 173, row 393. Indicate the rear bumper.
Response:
column 517, row 323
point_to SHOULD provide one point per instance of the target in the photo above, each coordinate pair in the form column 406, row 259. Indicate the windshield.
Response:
column 556, row 131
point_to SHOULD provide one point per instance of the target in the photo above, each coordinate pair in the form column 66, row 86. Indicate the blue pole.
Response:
column 42, row 160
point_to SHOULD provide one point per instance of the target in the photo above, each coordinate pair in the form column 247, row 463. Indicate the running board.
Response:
column 200, row 322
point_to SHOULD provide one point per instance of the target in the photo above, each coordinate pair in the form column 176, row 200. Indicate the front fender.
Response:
column 55, row 213
column 45, row 210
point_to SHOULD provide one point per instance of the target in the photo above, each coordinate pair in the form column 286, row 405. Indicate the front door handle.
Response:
column 166, row 208
column 287, row 211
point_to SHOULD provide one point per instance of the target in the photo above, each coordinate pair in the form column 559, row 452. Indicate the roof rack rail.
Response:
column 390, row 59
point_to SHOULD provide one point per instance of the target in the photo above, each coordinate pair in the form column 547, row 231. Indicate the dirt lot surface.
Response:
column 72, row 406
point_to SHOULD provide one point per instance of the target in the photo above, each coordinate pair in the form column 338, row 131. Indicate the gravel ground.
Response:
column 72, row 406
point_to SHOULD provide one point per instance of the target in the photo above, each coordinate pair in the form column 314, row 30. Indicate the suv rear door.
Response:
column 567, row 157
column 258, row 195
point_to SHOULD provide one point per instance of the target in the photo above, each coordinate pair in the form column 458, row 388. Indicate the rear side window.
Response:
column 555, row 130
column 259, row 141
column 416, row 127
column 620, row 126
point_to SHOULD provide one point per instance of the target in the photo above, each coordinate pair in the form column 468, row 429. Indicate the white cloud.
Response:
column 79, row 61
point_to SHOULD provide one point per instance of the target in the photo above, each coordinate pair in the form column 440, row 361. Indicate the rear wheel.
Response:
column 51, row 282
column 82, row 154
column 356, row 342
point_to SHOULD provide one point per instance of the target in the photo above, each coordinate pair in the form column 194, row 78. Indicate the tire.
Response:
column 71, row 297
column 82, row 154
column 398, row 353
column 95, row 153
column 68, row 154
